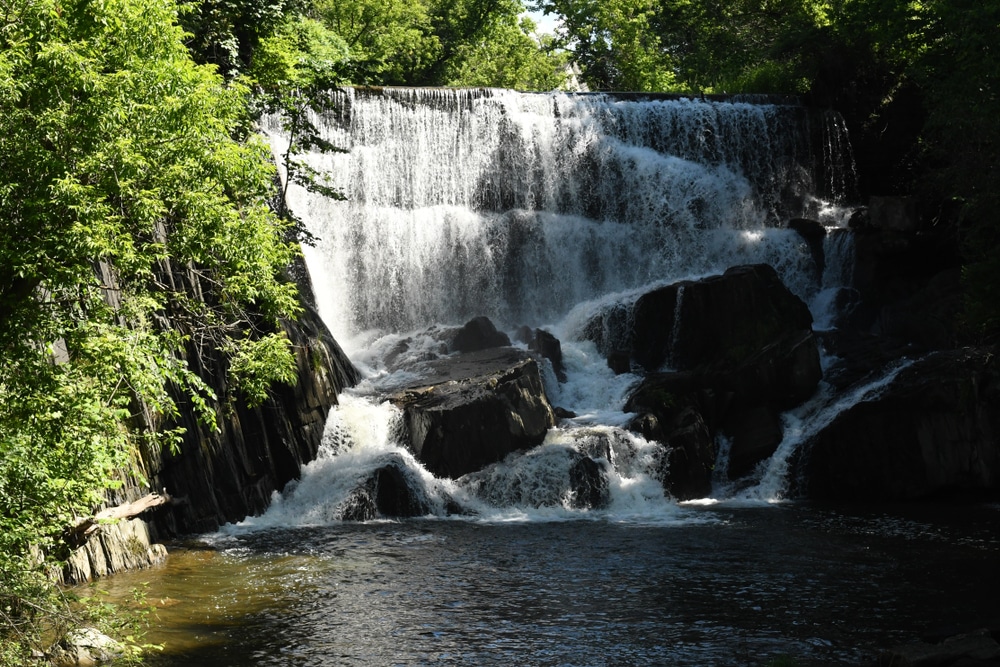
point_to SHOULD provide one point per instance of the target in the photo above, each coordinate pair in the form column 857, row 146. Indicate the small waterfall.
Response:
column 545, row 210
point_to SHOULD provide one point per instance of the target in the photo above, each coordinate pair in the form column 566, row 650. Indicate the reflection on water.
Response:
column 735, row 586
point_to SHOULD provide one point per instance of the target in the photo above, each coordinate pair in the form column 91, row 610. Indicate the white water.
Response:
column 543, row 210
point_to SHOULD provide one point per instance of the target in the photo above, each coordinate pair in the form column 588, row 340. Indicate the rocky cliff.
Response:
column 224, row 475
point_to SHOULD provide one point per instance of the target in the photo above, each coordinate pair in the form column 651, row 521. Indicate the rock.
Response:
column 224, row 475
column 589, row 484
column 550, row 476
column 813, row 233
column 934, row 430
column 117, row 547
column 672, row 409
column 690, row 456
column 908, row 286
column 549, row 347
column 619, row 362
column 85, row 647
column 481, row 407
column 756, row 433
column 722, row 319
column 389, row 491
column 478, row 334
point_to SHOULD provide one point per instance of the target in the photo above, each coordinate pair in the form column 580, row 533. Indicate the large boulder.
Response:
column 742, row 349
column 934, row 430
column 478, row 408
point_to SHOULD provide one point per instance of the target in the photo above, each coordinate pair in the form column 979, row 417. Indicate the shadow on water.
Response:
column 731, row 585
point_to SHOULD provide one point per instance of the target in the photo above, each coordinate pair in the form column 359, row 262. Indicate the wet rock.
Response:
column 756, row 433
column 226, row 474
column 550, row 476
column 672, row 410
column 813, row 233
column 619, row 361
column 550, row 348
column 480, row 407
column 389, row 491
column 935, row 430
column 744, row 328
column 477, row 334
column 589, row 484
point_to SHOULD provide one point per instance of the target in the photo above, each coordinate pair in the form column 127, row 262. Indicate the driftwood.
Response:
column 78, row 534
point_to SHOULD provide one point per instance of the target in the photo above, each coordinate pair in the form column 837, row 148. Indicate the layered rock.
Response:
column 475, row 409
column 934, row 430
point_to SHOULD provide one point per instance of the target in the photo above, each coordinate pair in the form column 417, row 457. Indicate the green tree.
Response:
column 121, row 163
column 512, row 57
column 614, row 44
column 390, row 43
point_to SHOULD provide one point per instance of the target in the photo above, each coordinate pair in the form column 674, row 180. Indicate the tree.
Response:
column 614, row 44
column 512, row 57
column 119, row 158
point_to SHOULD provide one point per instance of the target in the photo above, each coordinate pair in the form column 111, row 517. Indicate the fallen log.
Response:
column 78, row 534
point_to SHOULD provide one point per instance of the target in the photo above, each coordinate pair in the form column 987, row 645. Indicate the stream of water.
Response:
column 541, row 210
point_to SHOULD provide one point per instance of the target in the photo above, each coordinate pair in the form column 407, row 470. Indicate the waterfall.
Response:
column 522, row 205
column 542, row 210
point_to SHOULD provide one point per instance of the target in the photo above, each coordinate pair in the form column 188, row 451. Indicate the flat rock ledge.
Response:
column 473, row 409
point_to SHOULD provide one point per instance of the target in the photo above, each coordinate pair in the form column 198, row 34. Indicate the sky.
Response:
column 544, row 23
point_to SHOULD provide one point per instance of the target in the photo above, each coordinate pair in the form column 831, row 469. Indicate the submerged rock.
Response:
column 476, row 409
column 550, row 476
column 934, row 430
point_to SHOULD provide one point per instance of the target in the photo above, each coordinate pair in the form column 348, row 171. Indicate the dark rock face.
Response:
column 909, row 285
column 483, row 406
column 745, row 351
column 478, row 334
column 589, row 484
column 550, row 348
column 935, row 430
column 813, row 233
column 723, row 319
column 224, row 476
column 671, row 409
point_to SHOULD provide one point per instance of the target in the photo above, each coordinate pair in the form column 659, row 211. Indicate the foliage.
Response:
column 442, row 42
column 124, row 200
column 390, row 43
column 614, row 44
column 512, row 57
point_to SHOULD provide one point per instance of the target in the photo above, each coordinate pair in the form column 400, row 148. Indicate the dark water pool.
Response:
column 714, row 586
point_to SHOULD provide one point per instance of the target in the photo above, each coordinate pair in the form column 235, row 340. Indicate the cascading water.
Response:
column 542, row 209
